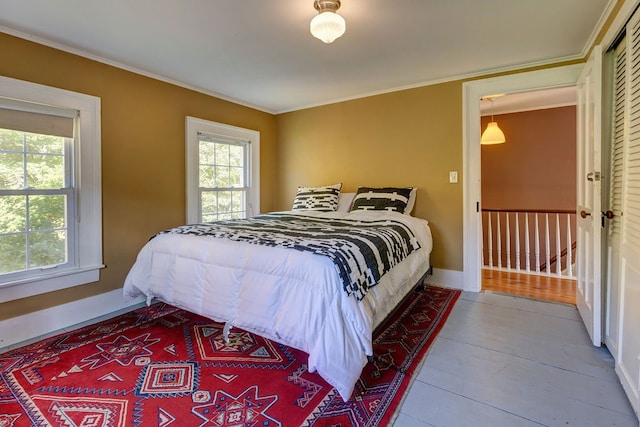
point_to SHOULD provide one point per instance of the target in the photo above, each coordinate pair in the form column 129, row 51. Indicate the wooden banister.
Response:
column 562, row 255
column 535, row 211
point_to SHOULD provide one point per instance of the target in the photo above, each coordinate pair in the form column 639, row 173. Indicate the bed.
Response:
column 295, row 297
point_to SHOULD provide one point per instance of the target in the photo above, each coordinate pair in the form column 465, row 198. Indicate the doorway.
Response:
column 528, row 195
column 472, row 93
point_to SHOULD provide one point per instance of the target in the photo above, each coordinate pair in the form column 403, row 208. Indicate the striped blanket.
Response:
column 361, row 250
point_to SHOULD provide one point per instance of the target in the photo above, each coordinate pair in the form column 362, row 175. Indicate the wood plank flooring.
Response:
column 509, row 361
column 530, row 285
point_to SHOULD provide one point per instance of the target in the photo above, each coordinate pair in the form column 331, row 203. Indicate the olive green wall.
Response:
column 143, row 146
column 405, row 138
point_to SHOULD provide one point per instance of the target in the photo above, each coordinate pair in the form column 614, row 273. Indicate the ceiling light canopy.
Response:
column 327, row 25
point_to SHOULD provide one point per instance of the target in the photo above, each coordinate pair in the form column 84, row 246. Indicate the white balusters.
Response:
column 509, row 240
column 490, row 240
column 569, row 248
column 527, row 247
column 537, row 245
column 482, row 238
column 499, row 241
column 558, row 248
column 508, row 231
column 517, row 242
column 547, row 244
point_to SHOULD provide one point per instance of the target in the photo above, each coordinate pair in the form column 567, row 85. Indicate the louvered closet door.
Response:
column 629, row 342
column 614, row 225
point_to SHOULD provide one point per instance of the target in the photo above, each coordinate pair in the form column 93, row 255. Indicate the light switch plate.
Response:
column 453, row 177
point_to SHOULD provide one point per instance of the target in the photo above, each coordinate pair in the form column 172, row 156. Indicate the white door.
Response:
column 588, row 246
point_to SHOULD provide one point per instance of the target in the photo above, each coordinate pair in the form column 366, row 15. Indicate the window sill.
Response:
column 23, row 288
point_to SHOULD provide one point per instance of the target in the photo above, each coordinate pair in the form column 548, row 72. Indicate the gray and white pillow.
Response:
column 317, row 198
column 391, row 199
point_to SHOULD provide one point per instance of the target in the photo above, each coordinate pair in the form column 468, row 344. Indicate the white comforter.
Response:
column 293, row 297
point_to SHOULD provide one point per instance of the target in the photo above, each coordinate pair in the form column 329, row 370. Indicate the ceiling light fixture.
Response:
column 327, row 25
column 492, row 134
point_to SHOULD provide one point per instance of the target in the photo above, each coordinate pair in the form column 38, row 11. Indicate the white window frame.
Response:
column 88, row 185
column 193, row 126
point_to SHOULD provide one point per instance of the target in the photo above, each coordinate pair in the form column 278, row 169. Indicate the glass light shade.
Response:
column 327, row 26
column 492, row 135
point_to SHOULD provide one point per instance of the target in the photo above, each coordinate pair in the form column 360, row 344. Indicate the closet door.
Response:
column 627, row 363
column 588, row 239
column 614, row 206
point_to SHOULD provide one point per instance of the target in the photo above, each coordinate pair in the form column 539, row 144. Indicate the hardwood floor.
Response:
column 505, row 361
column 530, row 286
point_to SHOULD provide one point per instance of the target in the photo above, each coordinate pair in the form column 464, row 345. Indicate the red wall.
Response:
column 536, row 167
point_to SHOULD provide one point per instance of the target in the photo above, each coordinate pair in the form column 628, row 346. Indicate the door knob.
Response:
column 593, row 176
column 584, row 213
column 608, row 214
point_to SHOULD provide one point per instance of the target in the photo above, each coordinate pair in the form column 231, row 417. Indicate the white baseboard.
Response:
column 447, row 278
column 55, row 319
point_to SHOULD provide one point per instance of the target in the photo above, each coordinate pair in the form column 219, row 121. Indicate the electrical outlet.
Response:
column 453, row 177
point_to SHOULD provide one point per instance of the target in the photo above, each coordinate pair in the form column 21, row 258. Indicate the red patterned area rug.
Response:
column 163, row 366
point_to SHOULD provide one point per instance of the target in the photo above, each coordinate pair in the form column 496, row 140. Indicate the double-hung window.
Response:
column 50, row 231
column 223, row 177
column 222, row 171
column 36, row 188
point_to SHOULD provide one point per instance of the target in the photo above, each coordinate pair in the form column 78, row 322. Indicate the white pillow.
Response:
column 411, row 202
column 344, row 202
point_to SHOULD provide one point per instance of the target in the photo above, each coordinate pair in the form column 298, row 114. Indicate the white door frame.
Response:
column 471, row 93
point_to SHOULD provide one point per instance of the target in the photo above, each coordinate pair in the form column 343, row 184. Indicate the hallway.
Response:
column 545, row 288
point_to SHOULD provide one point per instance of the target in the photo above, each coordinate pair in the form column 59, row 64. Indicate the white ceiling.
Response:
column 260, row 53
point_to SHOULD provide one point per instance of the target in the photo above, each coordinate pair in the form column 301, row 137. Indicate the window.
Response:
column 36, row 191
column 222, row 171
column 50, row 231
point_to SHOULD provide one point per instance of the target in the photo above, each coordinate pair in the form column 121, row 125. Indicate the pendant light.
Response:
column 327, row 25
column 492, row 134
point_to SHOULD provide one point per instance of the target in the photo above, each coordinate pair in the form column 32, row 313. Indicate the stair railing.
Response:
column 529, row 241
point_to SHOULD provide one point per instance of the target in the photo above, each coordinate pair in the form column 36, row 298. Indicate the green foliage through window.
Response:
column 33, row 201
column 222, row 178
